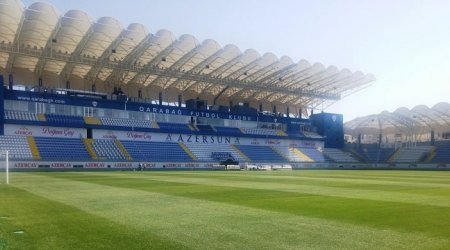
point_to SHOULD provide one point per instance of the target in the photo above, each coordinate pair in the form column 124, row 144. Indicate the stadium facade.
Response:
column 79, row 93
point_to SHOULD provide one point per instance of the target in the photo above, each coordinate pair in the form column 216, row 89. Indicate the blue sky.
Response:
column 404, row 43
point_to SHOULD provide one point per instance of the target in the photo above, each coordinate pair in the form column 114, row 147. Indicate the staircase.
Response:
column 188, row 151
column 33, row 147
column 302, row 155
column 123, row 150
column 90, row 149
column 240, row 153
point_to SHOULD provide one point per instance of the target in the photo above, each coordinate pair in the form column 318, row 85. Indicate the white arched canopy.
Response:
column 40, row 40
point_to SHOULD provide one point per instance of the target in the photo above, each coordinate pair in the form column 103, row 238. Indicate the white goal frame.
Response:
column 5, row 154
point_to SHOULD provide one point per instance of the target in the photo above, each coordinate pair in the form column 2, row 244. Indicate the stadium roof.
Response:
column 415, row 120
column 39, row 39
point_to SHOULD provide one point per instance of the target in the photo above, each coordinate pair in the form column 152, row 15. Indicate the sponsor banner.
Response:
column 95, row 165
column 106, row 165
column 122, row 135
column 200, row 139
column 28, row 164
column 122, row 165
column 59, row 132
column 209, row 165
column 60, row 165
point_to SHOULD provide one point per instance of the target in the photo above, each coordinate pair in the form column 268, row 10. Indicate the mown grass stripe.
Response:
column 49, row 224
column 357, row 193
column 430, row 189
column 426, row 177
column 383, row 215
column 204, row 225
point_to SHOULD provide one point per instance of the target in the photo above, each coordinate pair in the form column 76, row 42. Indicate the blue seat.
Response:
column 61, row 149
column 261, row 153
column 156, row 151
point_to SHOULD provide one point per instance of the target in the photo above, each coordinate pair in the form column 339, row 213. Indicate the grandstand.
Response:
column 84, row 93
column 417, row 136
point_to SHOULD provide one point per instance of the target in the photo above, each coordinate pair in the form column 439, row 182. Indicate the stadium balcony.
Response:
column 312, row 135
column 205, row 128
column 263, row 131
column 65, row 120
column 61, row 149
column 175, row 127
column 231, row 131
column 17, row 146
column 156, row 151
column 20, row 116
column 117, row 122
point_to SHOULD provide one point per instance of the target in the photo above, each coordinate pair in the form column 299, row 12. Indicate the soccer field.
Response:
column 307, row 209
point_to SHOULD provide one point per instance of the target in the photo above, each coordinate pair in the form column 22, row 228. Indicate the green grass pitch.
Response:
column 305, row 209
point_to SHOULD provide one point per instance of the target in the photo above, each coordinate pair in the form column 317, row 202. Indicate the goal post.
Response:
column 4, row 163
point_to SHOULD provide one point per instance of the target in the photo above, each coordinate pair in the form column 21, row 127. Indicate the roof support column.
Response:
column 2, row 107
column 10, row 81
column 218, row 95
column 432, row 137
column 180, row 100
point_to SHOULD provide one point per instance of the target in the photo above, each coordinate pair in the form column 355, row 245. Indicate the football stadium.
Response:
column 109, row 136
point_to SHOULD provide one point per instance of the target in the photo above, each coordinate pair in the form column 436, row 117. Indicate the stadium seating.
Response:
column 233, row 131
column 125, row 122
column 261, row 153
column 204, row 152
column 107, row 150
column 338, row 155
column 61, row 149
column 411, row 155
column 373, row 153
column 313, row 135
column 75, row 121
column 174, row 127
column 17, row 146
column 205, row 128
column 156, row 151
column 296, row 133
column 260, row 131
column 293, row 154
column 316, row 155
column 442, row 153
column 18, row 115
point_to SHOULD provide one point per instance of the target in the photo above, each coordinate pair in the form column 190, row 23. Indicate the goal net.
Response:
column 4, row 167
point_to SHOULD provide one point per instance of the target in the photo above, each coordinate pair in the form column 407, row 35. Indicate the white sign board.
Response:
column 58, row 132
column 200, row 139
